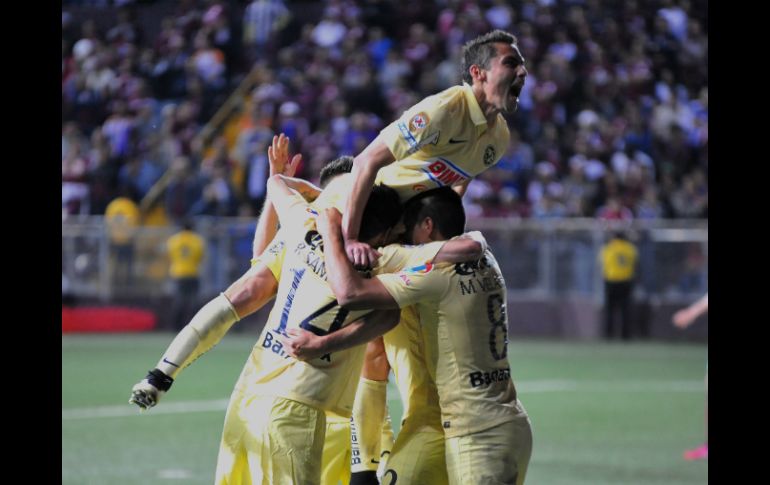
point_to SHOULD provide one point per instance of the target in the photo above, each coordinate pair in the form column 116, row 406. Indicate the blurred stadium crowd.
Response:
column 612, row 121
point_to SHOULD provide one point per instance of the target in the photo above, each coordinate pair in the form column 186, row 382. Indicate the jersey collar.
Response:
column 477, row 116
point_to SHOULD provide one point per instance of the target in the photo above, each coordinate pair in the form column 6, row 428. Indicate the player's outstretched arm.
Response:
column 252, row 291
column 247, row 295
column 365, row 168
column 685, row 317
column 204, row 331
column 267, row 224
column 470, row 246
column 304, row 345
column 286, row 192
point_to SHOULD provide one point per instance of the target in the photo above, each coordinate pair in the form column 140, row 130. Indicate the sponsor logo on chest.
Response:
column 444, row 172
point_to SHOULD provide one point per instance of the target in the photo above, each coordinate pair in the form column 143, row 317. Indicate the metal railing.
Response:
column 539, row 259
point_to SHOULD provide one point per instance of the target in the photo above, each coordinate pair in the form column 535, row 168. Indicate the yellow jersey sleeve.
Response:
column 396, row 256
column 414, row 284
column 295, row 215
column 428, row 123
column 273, row 255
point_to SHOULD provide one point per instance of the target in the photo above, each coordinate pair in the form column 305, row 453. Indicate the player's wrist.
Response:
column 159, row 379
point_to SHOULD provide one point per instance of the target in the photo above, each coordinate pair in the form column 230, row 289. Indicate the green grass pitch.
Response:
column 601, row 413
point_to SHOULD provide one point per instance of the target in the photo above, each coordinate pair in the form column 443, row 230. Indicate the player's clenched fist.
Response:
column 149, row 390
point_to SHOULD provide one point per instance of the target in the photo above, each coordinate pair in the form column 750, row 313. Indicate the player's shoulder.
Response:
column 502, row 131
column 452, row 97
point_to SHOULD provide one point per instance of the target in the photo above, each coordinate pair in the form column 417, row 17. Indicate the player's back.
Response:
column 470, row 328
column 304, row 300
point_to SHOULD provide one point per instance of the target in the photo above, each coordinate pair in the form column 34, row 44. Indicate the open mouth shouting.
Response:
column 513, row 95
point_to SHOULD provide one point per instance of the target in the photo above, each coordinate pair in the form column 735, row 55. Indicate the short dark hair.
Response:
column 338, row 166
column 443, row 205
column 383, row 210
column 482, row 49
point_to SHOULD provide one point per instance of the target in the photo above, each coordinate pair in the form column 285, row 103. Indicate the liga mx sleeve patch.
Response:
column 422, row 269
column 419, row 122
column 414, row 270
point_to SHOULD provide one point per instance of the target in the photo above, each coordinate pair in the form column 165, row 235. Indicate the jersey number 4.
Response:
column 339, row 317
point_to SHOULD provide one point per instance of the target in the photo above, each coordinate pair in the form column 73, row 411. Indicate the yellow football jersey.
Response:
column 405, row 348
column 462, row 308
column 444, row 140
column 185, row 250
column 305, row 300
column 122, row 216
column 618, row 260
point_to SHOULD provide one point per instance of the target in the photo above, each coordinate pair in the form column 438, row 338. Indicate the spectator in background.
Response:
column 186, row 250
column 139, row 174
column 262, row 21
column 613, row 210
column 183, row 190
column 683, row 319
column 252, row 147
column 122, row 217
column 618, row 259
column 217, row 197
column 117, row 129
column 610, row 74
column 74, row 186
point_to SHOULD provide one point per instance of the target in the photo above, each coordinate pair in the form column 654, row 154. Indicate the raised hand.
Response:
column 278, row 157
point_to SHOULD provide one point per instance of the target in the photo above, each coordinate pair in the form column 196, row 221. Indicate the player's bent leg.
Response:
column 296, row 436
column 417, row 457
column 495, row 456
column 232, row 460
column 366, row 426
column 335, row 462
column 387, row 440
column 282, row 440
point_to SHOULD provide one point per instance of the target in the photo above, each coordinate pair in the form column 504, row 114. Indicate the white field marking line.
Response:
column 523, row 388
column 175, row 474
column 132, row 410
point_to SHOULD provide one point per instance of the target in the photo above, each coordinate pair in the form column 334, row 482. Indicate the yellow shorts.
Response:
column 270, row 440
column 335, row 464
column 495, row 456
column 417, row 457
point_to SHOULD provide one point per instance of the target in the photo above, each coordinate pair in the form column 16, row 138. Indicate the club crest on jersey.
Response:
column 418, row 122
column 312, row 211
column 489, row 155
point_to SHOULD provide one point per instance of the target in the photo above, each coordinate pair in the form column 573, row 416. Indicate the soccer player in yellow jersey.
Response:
column 445, row 139
column 274, row 429
column 275, row 425
column 123, row 217
column 186, row 250
column 487, row 431
column 210, row 324
column 619, row 258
